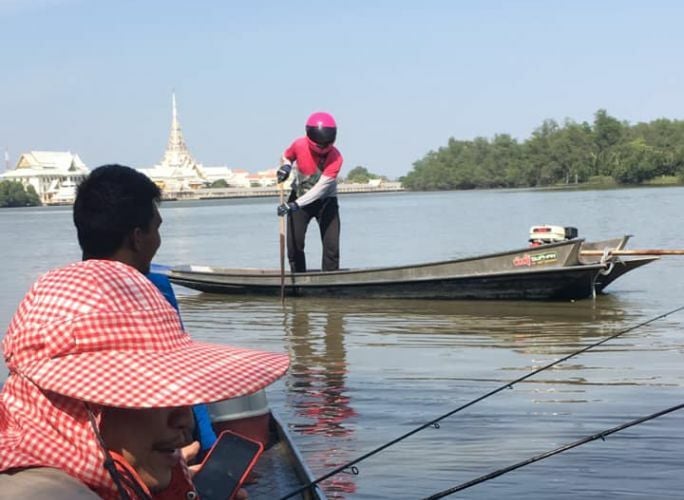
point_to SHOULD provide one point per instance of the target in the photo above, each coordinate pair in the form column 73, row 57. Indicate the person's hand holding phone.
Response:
column 226, row 466
column 189, row 453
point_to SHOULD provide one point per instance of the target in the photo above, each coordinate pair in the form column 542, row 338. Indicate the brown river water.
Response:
column 366, row 372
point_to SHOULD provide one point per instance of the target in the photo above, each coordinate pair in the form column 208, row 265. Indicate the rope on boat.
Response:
column 508, row 385
column 504, row 470
column 608, row 261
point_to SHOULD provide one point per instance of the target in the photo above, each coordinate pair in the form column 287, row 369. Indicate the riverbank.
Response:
column 605, row 182
column 272, row 191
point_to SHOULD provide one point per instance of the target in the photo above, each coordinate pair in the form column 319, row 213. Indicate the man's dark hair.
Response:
column 110, row 203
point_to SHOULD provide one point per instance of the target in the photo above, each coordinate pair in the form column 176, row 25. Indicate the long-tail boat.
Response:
column 567, row 269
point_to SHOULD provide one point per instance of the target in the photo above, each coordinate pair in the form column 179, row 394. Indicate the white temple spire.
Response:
column 177, row 154
column 173, row 103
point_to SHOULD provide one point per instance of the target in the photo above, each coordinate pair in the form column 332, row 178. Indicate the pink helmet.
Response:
column 321, row 130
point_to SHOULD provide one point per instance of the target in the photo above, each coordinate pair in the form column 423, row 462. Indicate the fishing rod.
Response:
column 599, row 435
column 435, row 422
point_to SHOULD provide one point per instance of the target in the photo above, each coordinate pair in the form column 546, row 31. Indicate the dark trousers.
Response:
column 326, row 213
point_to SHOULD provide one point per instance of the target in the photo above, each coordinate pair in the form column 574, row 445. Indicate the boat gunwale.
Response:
column 259, row 272
column 315, row 491
column 495, row 274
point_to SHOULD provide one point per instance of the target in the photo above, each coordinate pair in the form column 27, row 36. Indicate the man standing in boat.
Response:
column 317, row 164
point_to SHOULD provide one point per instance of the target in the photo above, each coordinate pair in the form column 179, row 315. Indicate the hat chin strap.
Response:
column 108, row 461
column 110, row 466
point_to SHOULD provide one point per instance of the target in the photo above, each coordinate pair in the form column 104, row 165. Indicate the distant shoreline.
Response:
column 391, row 187
column 272, row 191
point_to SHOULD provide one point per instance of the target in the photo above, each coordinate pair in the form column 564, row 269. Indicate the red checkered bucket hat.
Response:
column 100, row 332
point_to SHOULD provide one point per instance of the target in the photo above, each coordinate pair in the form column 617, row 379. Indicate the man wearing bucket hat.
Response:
column 116, row 218
column 101, row 378
column 314, row 191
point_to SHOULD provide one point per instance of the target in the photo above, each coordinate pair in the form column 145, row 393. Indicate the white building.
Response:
column 265, row 178
column 240, row 178
column 53, row 174
column 234, row 177
column 178, row 171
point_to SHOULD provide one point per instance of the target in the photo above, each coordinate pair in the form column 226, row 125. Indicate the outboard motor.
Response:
column 544, row 234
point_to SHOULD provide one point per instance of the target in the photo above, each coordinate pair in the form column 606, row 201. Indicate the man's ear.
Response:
column 135, row 239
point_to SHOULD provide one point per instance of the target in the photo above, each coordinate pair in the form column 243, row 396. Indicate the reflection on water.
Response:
column 316, row 342
column 365, row 372
column 316, row 393
column 316, row 384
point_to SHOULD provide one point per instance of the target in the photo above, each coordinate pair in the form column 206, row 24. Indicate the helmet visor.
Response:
column 323, row 136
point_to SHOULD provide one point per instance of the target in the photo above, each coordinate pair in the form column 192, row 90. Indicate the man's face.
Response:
column 147, row 242
column 149, row 439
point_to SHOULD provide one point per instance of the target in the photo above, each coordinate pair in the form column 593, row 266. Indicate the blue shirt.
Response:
column 204, row 432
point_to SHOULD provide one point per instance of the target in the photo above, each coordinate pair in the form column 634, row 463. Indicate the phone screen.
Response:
column 226, row 466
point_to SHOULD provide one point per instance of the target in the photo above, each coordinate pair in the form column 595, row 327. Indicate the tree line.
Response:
column 361, row 175
column 13, row 194
column 555, row 154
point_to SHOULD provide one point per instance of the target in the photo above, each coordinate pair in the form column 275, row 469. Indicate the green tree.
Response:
column 556, row 154
column 220, row 183
column 667, row 138
column 360, row 175
column 13, row 194
column 608, row 132
column 638, row 163
column 506, row 160
column 33, row 198
column 543, row 169
column 571, row 150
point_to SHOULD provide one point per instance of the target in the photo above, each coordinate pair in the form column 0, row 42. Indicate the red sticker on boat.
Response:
column 528, row 260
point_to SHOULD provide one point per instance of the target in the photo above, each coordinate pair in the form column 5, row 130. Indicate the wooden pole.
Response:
column 654, row 251
column 282, row 247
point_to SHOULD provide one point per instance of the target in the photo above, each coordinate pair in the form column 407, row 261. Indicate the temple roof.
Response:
column 177, row 155
column 48, row 163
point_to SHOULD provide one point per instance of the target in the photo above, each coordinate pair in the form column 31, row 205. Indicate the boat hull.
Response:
column 547, row 272
column 280, row 469
column 563, row 283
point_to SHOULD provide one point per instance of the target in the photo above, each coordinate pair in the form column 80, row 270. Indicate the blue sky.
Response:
column 401, row 77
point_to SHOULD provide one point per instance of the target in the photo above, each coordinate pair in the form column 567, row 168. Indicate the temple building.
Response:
column 53, row 174
column 178, row 171
column 179, row 174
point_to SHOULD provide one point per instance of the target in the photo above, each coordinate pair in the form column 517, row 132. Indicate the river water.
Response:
column 365, row 372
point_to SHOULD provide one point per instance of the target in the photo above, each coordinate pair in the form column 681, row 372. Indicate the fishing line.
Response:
column 599, row 435
column 509, row 385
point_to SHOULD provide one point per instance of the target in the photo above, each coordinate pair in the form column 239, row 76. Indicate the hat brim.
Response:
column 195, row 373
